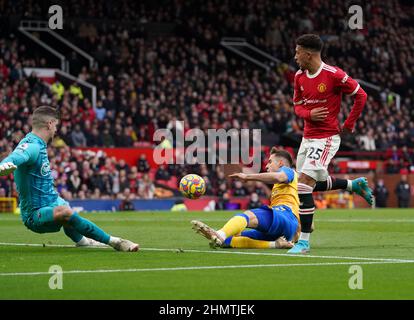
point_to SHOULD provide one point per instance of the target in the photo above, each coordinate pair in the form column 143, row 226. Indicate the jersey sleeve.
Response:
column 297, row 96
column 300, row 110
column 289, row 173
column 24, row 153
column 345, row 83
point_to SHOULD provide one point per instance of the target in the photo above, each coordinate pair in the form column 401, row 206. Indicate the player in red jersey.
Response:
column 318, row 90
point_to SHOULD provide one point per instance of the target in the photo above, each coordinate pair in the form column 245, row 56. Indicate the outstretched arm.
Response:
column 22, row 154
column 266, row 177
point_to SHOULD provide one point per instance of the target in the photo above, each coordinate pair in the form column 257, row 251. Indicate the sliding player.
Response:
column 273, row 226
column 42, row 210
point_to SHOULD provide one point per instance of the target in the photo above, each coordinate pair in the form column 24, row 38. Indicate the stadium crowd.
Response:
column 145, row 83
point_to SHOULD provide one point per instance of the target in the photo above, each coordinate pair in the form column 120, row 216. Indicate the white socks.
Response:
column 221, row 234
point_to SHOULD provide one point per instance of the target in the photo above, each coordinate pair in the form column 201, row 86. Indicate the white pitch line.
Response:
column 225, row 251
column 200, row 268
column 230, row 251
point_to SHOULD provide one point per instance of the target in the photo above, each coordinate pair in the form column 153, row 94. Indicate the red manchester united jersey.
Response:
column 322, row 89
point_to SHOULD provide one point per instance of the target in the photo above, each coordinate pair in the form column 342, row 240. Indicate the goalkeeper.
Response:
column 42, row 210
column 274, row 226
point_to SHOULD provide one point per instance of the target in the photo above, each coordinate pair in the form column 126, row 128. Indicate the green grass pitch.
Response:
column 175, row 263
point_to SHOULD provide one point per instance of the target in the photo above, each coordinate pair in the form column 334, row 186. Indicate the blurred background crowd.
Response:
column 146, row 81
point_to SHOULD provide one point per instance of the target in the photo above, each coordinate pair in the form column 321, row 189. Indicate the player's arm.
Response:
column 352, row 88
column 300, row 110
column 316, row 114
column 23, row 153
column 285, row 175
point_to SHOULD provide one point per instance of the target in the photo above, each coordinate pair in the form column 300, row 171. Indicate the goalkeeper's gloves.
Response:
column 7, row 168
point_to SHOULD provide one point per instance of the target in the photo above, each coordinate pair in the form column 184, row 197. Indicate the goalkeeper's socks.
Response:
column 74, row 235
column 88, row 228
column 234, row 226
column 333, row 184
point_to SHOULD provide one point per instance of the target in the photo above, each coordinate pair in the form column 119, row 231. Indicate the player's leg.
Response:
column 306, row 183
column 358, row 185
column 234, row 226
column 80, row 240
column 64, row 216
column 254, row 239
column 260, row 218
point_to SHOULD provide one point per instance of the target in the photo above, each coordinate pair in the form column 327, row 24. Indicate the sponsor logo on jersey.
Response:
column 22, row 147
column 313, row 101
column 321, row 87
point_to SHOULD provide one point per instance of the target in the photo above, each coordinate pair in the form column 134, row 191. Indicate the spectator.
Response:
column 403, row 192
column 58, row 89
column 239, row 190
column 75, row 182
column 223, row 201
column 95, row 138
column 122, row 165
column 107, row 139
column 143, row 165
column 381, row 194
column 162, row 173
column 146, row 188
column 254, row 201
column 127, row 204
column 78, row 137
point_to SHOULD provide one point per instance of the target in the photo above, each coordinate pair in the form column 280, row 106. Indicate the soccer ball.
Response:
column 192, row 186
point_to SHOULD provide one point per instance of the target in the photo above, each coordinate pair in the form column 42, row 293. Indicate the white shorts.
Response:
column 314, row 156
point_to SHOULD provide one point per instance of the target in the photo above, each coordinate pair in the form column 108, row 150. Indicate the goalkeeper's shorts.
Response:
column 41, row 220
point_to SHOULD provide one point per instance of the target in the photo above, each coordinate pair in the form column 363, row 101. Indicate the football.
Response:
column 192, row 186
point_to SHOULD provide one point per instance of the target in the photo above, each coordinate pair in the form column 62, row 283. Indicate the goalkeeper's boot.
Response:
column 207, row 232
column 360, row 187
column 124, row 245
column 301, row 247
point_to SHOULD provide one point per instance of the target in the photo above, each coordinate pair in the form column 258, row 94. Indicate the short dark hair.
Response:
column 282, row 154
column 42, row 114
column 310, row 41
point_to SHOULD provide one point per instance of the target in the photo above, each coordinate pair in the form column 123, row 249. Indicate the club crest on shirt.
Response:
column 321, row 87
column 45, row 169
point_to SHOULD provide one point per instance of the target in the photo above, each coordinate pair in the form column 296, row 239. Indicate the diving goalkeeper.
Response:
column 42, row 210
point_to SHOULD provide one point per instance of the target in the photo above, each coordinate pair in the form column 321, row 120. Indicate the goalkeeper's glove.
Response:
column 7, row 168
